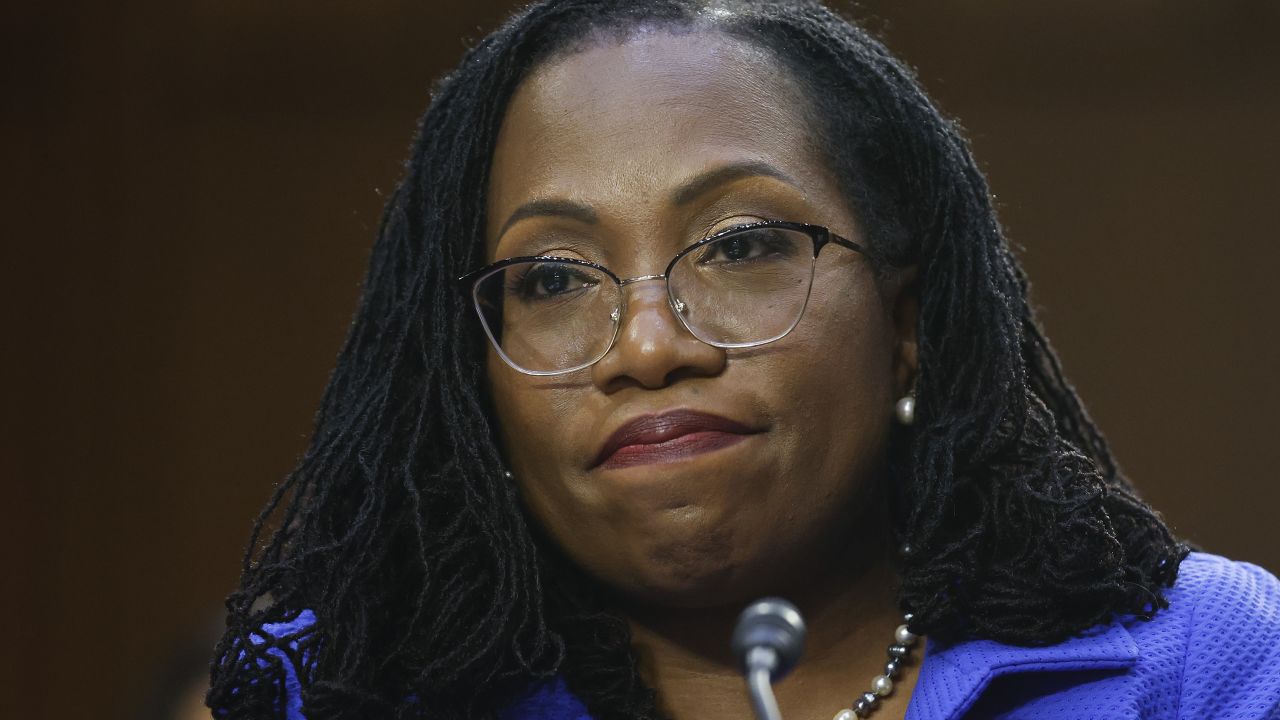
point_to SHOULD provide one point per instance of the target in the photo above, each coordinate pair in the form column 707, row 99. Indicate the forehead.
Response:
column 620, row 123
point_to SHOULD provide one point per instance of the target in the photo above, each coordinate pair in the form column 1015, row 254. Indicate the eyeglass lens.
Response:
column 742, row 289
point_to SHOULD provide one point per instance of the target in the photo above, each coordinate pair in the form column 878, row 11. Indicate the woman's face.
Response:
column 622, row 154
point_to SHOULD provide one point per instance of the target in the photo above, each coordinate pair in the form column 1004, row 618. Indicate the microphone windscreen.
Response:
column 772, row 623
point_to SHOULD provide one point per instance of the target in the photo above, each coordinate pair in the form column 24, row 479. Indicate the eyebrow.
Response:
column 688, row 192
column 551, row 208
column 706, row 182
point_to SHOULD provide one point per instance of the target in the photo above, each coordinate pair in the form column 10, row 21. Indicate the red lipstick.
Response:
column 669, row 436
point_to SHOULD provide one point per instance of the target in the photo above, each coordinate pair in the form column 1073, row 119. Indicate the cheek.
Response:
column 538, row 422
column 834, row 384
column 533, row 417
column 844, row 347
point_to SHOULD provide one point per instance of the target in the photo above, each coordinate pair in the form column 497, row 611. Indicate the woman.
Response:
column 681, row 304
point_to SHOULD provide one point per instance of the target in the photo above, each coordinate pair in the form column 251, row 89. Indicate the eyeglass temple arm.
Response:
column 844, row 242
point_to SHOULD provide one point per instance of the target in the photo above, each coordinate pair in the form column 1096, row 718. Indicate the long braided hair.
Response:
column 434, row 596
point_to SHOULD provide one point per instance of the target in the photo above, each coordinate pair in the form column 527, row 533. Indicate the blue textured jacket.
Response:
column 1214, row 653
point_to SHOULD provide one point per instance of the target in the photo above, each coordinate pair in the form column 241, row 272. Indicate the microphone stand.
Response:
column 761, row 662
column 768, row 642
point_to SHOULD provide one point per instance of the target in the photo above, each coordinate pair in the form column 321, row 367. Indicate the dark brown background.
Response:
column 191, row 190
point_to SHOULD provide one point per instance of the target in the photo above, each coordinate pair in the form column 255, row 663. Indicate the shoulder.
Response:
column 550, row 700
column 303, row 621
column 1214, row 596
column 1219, row 639
column 288, row 642
column 284, row 648
column 284, row 640
column 1205, row 576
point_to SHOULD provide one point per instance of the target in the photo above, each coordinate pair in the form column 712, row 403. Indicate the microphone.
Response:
column 768, row 642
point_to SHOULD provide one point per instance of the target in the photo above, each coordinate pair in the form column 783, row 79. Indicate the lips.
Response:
column 669, row 436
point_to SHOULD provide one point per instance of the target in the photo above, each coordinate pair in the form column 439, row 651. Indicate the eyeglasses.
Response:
column 743, row 287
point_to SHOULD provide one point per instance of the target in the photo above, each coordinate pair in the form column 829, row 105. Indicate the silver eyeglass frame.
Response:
column 821, row 236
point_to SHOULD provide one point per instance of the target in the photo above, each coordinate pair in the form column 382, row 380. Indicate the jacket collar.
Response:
column 954, row 675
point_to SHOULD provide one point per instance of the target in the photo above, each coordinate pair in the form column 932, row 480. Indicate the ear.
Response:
column 902, row 299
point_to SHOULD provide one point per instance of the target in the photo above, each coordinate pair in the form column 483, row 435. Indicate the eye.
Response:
column 747, row 245
column 548, row 280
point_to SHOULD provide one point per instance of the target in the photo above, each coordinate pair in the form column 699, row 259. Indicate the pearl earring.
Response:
column 906, row 409
column 507, row 474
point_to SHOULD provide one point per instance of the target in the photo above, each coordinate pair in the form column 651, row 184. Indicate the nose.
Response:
column 653, row 348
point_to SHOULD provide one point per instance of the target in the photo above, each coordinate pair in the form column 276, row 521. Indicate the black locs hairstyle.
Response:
column 435, row 597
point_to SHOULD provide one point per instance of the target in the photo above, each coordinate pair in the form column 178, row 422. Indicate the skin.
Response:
column 636, row 136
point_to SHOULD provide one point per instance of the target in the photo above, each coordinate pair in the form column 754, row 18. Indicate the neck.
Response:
column 850, row 618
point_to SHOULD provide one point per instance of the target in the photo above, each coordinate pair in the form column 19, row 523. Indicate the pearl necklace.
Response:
column 882, row 685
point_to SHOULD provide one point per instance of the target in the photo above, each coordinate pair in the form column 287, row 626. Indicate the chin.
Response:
column 661, row 588
column 710, row 571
